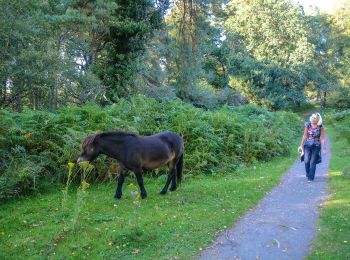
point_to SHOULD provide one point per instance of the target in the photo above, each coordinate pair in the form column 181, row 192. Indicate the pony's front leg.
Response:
column 138, row 174
column 118, row 192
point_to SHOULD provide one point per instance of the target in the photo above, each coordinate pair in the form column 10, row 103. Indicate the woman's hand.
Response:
column 300, row 150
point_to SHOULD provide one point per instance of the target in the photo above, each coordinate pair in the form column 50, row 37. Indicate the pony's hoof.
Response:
column 162, row 192
column 173, row 188
column 144, row 195
column 118, row 197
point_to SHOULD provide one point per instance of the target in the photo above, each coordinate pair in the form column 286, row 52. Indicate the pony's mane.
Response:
column 117, row 133
column 90, row 139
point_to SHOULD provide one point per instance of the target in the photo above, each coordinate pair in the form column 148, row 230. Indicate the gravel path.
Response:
column 283, row 225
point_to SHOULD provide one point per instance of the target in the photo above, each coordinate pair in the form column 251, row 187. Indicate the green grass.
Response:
column 177, row 225
column 333, row 237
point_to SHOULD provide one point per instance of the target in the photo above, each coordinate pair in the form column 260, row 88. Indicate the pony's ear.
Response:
column 98, row 132
column 88, row 140
column 96, row 135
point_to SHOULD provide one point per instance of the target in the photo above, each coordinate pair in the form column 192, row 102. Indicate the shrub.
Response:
column 339, row 99
column 341, row 121
column 36, row 146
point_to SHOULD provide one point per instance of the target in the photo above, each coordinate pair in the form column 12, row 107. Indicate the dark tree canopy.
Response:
column 208, row 53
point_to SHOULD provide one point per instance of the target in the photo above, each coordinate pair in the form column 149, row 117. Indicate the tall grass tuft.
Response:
column 82, row 191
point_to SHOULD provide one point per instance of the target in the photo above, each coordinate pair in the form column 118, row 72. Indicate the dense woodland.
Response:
column 59, row 53
column 212, row 71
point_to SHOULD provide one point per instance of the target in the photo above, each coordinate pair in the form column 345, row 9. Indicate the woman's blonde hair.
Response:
column 319, row 118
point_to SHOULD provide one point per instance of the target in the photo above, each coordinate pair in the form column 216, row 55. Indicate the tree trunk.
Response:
column 17, row 93
column 36, row 99
column 3, row 93
column 53, row 100
column 18, row 104
column 324, row 99
column 318, row 97
column 56, row 98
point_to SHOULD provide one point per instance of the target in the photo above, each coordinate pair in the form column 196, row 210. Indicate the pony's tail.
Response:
column 179, row 167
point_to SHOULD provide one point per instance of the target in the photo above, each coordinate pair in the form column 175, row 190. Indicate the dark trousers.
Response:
column 311, row 158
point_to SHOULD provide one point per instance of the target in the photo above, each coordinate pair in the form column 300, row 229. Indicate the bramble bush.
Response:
column 35, row 146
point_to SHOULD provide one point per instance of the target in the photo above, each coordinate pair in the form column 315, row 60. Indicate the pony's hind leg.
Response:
column 175, row 177
column 173, row 186
column 118, row 192
column 138, row 174
column 170, row 177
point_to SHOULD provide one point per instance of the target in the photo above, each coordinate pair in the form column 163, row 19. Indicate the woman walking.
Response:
column 310, row 146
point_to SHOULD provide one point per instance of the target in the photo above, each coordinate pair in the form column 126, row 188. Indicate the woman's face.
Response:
column 314, row 119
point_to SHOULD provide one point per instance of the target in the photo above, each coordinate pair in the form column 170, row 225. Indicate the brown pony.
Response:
column 135, row 153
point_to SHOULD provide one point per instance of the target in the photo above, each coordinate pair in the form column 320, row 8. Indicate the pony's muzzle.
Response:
column 81, row 159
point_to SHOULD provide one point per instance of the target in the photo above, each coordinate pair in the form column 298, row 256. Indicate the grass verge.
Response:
column 333, row 237
column 175, row 226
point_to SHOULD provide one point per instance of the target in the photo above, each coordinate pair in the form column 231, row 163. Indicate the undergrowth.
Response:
column 35, row 146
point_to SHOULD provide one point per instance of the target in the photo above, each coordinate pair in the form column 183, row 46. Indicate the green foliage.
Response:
column 278, row 55
column 134, row 23
column 340, row 39
column 59, row 53
column 196, row 62
column 341, row 121
column 266, row 84
column 339, row 99
column 214, row 140
column 273, row 31
column 28, row 62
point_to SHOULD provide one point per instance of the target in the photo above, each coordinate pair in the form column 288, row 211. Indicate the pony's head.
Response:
column 90, row 149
